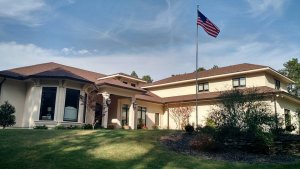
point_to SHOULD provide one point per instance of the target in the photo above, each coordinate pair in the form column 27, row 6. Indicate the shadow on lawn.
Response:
column 101, row 149
column 121, row 149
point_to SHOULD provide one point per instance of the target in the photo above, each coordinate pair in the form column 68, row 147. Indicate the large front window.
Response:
column 71, row 105
column 47, row 108
column 141, row 115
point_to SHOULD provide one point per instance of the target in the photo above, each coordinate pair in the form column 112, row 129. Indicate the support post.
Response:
column 105, row 96
column 132, row 114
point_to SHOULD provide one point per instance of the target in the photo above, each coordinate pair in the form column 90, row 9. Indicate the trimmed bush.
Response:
column 43, row 127
column 87, row 126
column 111, row 126
column 6, row 115
column 155, row 127
column 189, row 128
column 204, row 142
column 60, row 127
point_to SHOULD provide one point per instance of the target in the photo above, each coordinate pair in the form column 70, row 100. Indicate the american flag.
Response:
column 207, row 25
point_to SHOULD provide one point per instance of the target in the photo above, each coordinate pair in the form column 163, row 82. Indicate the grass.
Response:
column 78, row 149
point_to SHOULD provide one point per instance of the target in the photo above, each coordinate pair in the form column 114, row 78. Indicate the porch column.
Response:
column 132, row 114
column 106, row 99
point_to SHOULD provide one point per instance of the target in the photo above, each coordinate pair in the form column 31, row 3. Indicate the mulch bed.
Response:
column 179, row 142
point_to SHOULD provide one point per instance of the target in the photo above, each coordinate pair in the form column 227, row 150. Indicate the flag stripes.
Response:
column 207, row 25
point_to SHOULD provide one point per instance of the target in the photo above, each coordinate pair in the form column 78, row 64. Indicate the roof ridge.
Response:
column 209, row 71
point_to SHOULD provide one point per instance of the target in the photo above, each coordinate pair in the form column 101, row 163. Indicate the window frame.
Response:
column 78, row 105
column 127, row 115
column 141, row 110
column 203, row 87
column 55, row 102
column 239, row 82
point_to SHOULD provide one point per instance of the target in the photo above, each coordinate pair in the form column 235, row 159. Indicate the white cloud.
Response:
column 21, row 10
column 159, row 64
column 266, row 8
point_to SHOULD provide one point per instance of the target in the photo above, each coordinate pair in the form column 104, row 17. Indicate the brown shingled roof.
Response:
column 117, row 83
column 207, row 73
column 149, row 96
column 212, row 95
column 59, row 73
column 35, row 69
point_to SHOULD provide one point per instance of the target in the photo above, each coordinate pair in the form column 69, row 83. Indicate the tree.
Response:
column 243, row 110
column 292, row 70
column 133, row 74
column 201, row 69
column 147, row 78
column 180, row 113
column 215, row 67
column 6, row 115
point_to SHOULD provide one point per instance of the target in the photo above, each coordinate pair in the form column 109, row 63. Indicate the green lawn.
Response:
column 68, row 149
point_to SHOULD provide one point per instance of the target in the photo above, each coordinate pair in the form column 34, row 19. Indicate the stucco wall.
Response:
column 220, row 84
column 152, row 108
column 270, row 82
column 33, row 101
column 283, row 103
column 14, row 92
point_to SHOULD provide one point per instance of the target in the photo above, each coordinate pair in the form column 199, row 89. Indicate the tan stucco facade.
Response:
column 26, row 95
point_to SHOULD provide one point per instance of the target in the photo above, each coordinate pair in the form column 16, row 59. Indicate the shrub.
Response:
column 73, row 127
column 98, row 126
column 60, row 127
column 111, row 126
column 41, row 127
column 155, row 127
column 261, row 142
column 204, row 142
column 290, row 128
column 206, row 130
column 6, row 115
column 189, row 128
column 87, row 126
column 228, row 132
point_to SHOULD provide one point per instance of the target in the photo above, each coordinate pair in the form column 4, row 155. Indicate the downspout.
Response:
column 1, row 86
column 275, row 109
column 168, row 117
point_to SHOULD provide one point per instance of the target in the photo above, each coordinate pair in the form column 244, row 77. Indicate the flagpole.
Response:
column 197, row 70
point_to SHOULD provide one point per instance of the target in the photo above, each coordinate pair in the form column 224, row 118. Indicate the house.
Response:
column 54, row 94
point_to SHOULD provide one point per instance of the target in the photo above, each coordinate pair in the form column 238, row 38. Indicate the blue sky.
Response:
column 154, row 37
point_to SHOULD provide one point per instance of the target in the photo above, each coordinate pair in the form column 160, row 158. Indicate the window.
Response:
column 125, row 82
column 157, row 119
column 141, row 115
column 277, row 84
column 48, row 99
column 203, row 87
column 133, row 85
column 287, row 117
column 71, row 105
column 125, row 109
column 239, row 82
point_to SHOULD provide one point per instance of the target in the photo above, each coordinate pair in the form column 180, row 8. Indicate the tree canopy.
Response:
column 133, row 74
column 147, row 78
column 292, row 70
